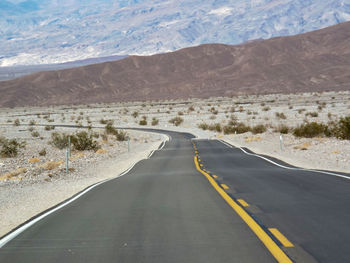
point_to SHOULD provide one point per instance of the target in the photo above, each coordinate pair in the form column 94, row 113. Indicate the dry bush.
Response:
column 310, row 130
column 176, row 121
column 84, row 141
column 260, row 128
column 155, row 121
column 10, row 148
column 280, row 115
column 13, row 173
column 284, row 129
column 59, row 140
column 143, row 122
column 51, row 165
column 34, row 160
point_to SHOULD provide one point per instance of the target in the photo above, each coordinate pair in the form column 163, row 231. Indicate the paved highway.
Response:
column 312, row 210
column 220, row 206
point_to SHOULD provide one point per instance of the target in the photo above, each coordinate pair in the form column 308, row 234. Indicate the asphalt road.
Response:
column 311, row 209
column 163, row 210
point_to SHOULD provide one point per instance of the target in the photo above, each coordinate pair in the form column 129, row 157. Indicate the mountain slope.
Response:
column 315, row 61
column 45, row 32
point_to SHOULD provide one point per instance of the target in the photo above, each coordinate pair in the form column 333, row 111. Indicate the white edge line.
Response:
column 15, row 233
column 286, row 167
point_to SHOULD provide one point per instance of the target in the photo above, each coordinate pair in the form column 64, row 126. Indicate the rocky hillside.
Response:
column 315, row 61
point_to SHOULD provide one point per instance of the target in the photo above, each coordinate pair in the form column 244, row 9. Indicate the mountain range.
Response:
column 314, row 61
column 51, row 31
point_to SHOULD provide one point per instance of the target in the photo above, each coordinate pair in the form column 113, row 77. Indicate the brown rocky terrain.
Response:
column 316, row 61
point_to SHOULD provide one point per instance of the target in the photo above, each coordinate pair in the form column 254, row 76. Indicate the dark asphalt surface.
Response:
column 311, row 209
column 163, row 210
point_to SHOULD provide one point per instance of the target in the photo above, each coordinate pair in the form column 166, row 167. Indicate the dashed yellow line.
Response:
column 215, row 176
column 281, row 238
column 225, row 186
column 274, row 249
column 243, row 203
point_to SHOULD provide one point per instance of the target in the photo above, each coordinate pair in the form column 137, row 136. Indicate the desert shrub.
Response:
column 42, row 152
column 32, row 122
column 121, row 136
column 260, row 128
column 203, row 126
column 284, row 129
column 59, row 140
column 280, row 115
column 84, row 141
column 35, row 134
column 215, row 127
column 135, row 114
column 191, row 108
column 110, row 129
column 143, row 122
column 16, row 122
column 310, row 130
column 155, row 121
column 176, row 121
column 96, row 135
column 10, row 148
column 342, row 128
column 31, row 129
column 236, row 128
column 312, row 114
column 266, row 108
column 102, row 121
column 180, row 113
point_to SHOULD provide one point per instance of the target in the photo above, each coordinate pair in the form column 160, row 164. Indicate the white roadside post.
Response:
column 67, row 159
column 281, row 143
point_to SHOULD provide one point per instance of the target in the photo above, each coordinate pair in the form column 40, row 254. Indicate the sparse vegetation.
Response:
column 16, row 122
column 284, row 129
column 280, row 115
column 42, row 152
column 102, row 121
column 10, row 148
column 176, row 121
column 49, row 127
column 260, row 128
column 110, row 129
column 35, row 134
column 342, row 128
column 135, row 114
column 84, row 141
column 310, row 130
column 143, row 122
column 155, row 121
column 235, row 127
column 59, row 140
column 311, row 114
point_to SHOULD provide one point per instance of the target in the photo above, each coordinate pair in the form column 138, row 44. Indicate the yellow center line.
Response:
column 281, row 238
column 225, row 186
column 274, row 249
column 243, row 203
